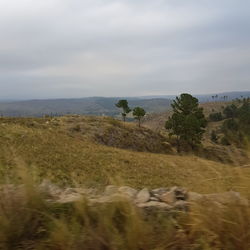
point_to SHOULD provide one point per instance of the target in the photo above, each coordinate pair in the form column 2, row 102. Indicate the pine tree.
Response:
column 138, row 113
column 188, row 121
column 125, row 108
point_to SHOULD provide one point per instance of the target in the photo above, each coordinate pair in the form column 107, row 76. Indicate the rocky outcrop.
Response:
column 160, row 199
column 173, row 198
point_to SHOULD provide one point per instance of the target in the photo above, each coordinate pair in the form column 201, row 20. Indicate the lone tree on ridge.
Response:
column 187, row 121
column 138, row 114
column 125, row 108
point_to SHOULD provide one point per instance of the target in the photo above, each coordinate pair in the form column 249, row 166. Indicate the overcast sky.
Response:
column 77, row 48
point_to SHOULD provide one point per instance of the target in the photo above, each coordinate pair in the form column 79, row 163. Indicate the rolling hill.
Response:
column 87, row 106
column 89, row 153
column 100, row 105
column 68, row 150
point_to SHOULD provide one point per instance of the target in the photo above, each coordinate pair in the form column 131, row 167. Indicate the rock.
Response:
column 181, row 205
column 153, row 198
column 81, row 191
column 111, row 189
column 192, row 196
column 130, row 192
column 159, row 191
column 69, row 191
column 109, row 199
column 180, row 193
column 73, row 197
column 85, row 191
column 154, row 204
column 168, row 197
column 142, row 196
column 49, row 188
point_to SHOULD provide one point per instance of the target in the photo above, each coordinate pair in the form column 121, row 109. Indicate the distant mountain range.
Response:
column 208, row 97
column 100, row 105
column 87, row 106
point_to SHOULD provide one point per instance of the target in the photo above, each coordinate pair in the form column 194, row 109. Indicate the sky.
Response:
column 79, row 48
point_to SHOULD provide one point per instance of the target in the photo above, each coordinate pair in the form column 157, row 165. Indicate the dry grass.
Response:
column 28, row 221
column 54, row 153
column 48, row 149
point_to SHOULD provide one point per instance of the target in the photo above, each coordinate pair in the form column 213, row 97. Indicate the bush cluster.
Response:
column 236, row 127
column 215, row 117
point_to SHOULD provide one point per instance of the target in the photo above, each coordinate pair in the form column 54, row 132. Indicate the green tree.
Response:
column 139, row 113
column 215, row 117
column 125, row 108
column 188, row 121
column 230, row 124
column 244, row 117
column 236, row 127
column 230, row 111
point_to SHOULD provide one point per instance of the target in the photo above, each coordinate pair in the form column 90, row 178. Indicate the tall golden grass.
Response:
column 29, row 221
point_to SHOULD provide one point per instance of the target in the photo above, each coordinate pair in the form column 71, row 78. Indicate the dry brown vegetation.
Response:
column 68, row 151
column 29, row 221
column 50, row 149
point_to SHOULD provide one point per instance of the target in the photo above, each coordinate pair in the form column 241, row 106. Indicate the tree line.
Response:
column 235, row 123
column 187, row 123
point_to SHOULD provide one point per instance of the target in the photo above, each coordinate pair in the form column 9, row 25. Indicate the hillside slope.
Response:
column 49, row 149
column 157, row 121
column 218, row 152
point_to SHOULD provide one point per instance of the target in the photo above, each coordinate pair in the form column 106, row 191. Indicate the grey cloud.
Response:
column 67, row 48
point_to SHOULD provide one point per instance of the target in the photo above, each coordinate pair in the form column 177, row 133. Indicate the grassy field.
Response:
column 68, row 152
column 51, row 150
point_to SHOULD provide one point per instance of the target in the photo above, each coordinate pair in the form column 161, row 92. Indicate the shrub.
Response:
column 230, row 124
column 216, row 117
column 230, row 111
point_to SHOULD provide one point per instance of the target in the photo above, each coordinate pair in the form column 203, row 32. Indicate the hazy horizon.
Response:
column 141, row 97
column 73, row 49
